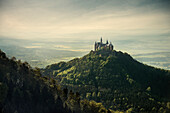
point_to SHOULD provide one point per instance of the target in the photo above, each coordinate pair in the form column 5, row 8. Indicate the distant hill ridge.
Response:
column 115, row 79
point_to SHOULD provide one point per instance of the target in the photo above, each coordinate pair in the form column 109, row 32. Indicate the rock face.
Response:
column 115, row 79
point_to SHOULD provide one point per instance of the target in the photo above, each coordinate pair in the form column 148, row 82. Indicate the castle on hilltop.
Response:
column 103, row 46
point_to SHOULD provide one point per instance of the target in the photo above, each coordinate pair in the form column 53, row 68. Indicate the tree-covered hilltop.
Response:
column 115, row 79
column 24, row 90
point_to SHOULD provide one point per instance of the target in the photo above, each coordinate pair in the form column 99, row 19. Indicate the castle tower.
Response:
column 95, row 46
column 110, row 46
column 107, row 42
column 101, row 40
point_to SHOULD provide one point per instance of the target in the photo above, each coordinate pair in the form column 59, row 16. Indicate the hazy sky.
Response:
column 30, row 19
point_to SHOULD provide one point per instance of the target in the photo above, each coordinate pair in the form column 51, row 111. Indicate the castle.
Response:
column 103, row 46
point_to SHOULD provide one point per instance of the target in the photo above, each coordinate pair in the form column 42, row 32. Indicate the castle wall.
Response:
column 100, row 45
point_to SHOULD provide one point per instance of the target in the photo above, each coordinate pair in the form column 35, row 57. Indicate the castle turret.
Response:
column 95, row 46
column 107, row 42
column 110, row 46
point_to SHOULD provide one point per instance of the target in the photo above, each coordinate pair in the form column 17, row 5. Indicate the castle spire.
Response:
column 107, row 42
column 101, row 40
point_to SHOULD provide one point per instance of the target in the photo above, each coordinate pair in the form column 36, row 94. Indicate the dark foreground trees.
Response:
column 25, row 90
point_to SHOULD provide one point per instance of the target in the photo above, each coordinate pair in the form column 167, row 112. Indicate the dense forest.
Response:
column 24, row 90
column 116, row 80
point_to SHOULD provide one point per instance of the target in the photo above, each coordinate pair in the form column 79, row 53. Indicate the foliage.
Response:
column 115, row 79
column 3, row 92
column 25, row 90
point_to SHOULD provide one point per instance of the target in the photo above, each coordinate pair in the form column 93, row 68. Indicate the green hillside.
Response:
column 24, row 90
column 115, row 79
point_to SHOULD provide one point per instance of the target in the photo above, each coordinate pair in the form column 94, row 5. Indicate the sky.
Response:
column 138, row 27
column 30, row 19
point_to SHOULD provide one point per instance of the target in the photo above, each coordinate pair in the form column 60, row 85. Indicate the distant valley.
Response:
column 43, row 53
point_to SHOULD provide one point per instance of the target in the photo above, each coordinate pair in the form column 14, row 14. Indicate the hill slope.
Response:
column 115, row 79
column 24, row 90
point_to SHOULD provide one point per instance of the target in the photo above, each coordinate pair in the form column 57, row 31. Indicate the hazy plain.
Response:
column 40, row 53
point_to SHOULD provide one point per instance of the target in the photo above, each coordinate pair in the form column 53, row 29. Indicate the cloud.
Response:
column 79, row 50
column 32, row 47
column 67, row 18
column 61, row 46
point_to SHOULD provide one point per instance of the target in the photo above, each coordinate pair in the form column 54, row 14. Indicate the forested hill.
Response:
column 24, row 90
column 115, row 79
